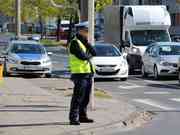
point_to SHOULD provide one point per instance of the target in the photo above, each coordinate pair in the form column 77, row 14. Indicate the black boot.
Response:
column 85, row 120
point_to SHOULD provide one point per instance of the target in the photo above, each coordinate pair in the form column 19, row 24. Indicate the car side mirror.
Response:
column 153, row 55
column 4, row 53
column 50, row 53
column 126, row 44
column 124, row 55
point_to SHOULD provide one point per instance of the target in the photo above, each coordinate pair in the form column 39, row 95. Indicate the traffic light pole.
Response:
column 91, row 13
column 18, row 18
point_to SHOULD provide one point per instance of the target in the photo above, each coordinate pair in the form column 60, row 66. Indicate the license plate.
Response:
column 107, row 70
column 30, row 68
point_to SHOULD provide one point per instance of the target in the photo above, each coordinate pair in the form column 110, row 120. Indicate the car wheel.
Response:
column 48, row 75
column 131, row 71
column 123, row 79
column 179, row 76
column 143, row 71
column 5, row 72
column 156, row 74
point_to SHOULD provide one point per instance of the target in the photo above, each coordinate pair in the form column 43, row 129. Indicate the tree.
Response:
column 7, row 7
column 40, row 10
column 69, row 11
column 101, row 4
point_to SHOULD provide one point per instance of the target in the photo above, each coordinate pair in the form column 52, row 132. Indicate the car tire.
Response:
column 155, row 73
column 123, row 79
column 131, row 71
column 5, row 72
column 143, row 71
column 48, row 75
column 179, row 77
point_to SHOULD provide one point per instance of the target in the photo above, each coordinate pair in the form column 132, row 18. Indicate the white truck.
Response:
column 133, row 28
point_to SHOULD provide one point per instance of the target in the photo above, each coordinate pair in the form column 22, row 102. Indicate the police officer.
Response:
column 80, row 53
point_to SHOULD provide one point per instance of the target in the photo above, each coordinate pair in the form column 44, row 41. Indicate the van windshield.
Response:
column 145, row 37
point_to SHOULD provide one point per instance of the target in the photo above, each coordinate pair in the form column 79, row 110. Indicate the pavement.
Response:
column 29, row 109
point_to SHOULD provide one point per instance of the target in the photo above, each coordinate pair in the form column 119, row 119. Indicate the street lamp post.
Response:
column 91, row 40
column 18, row 18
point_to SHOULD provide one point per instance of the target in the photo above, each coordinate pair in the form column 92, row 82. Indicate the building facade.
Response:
column 173, row 7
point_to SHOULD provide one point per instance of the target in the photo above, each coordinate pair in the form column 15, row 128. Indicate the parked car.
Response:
column 109, row 62
column 161, row 59
column 27, row 57
column 175, row 38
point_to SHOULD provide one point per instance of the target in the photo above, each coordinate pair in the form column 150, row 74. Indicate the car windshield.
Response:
column 28, row 48
column 169, row 50
column 106, row 51
column 145, row 37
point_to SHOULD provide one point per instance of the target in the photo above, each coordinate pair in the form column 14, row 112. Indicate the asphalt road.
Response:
column 161, row 97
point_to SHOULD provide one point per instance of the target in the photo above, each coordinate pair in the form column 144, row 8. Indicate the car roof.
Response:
column 166, row 43
column 25, row 42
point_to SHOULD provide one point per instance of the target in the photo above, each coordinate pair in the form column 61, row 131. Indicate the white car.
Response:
column 161, row 59
column 109, row 62
column 27, row 57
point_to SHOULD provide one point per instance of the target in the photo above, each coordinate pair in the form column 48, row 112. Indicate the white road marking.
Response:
column 157, row 93
column 125, row 93
column 153, row 103
column 175, row 99
column 153, row 82
column 130, row 86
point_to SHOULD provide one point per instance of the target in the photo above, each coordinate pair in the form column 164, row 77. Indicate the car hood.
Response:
column 29, row 56
column 171, row 59
column 107, row 60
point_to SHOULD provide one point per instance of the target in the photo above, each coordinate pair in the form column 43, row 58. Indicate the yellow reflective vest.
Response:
column 78, row 66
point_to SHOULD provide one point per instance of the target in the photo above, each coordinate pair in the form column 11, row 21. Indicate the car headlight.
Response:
column 46, row 61
column 134, row 50
column 165, row 63
column 13, row 61
column 123, row 64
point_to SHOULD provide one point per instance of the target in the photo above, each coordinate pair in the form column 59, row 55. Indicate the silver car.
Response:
column 161, row 59
column 27, row 57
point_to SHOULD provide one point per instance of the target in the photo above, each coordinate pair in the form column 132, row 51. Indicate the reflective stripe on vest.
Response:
column 77, row 65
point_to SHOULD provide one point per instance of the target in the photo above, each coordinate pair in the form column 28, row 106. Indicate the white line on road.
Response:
column 175, row 99
column 153, row 82
column 122, row 93
column 129, row 86
column 153, row 103
column 157, row 93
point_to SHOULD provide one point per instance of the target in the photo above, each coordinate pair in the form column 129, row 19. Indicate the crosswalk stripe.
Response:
column 175, row 99
column 157, row 93
column 153, row 103
column 130, row 86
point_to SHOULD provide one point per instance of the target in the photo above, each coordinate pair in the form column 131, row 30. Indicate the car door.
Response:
column 146, row 58
column 153, row 58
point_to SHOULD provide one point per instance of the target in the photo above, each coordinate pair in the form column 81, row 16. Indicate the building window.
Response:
column 177, row 19
column 155, row 2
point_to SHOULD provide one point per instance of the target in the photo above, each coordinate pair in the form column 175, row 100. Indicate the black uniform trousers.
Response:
column 80, row 98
